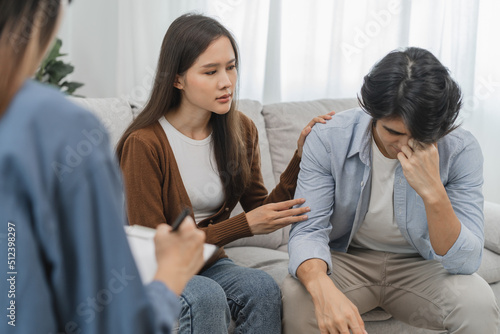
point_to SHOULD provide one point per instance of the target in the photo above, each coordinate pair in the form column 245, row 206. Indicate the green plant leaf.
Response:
column 52, row 71
column 53, row 54
column 58, row 70
column 71, row 86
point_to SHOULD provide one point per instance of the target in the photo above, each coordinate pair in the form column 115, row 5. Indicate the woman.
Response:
column 70, row 269
column 189, row 147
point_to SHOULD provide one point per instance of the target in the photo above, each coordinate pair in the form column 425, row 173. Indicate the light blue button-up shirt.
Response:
column 335, row 180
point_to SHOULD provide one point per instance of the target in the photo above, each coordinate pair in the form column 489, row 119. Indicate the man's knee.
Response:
column 293, row 290
column 298, row 308
column 471, row 292
column 474, row 301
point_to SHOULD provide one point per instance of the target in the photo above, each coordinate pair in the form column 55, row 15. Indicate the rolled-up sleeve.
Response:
column 464, row 189
column 309, row 239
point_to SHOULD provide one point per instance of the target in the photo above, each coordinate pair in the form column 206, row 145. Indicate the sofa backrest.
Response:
column 114, row 113
column 285, row 121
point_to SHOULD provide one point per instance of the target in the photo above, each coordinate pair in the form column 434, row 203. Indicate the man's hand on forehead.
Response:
column 420, row 163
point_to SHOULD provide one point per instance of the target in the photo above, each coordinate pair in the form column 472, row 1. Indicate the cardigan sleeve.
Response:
column 143, row 179
column 228, row 230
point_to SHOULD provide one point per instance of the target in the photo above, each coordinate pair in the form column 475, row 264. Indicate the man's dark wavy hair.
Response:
column 412, row 84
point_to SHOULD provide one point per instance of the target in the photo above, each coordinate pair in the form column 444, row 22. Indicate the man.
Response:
column 396, row 210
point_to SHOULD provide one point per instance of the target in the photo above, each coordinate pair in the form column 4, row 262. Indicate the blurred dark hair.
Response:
column 19, row 17
column 18, row 21
column 412, row 84
column 186, row 39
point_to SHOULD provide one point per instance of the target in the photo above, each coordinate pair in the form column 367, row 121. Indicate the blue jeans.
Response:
column 249, row 296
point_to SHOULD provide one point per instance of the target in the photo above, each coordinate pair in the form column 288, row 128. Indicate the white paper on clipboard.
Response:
column 140, row 239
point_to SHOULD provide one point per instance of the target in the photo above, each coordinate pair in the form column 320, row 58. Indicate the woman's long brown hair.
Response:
column 186, row 39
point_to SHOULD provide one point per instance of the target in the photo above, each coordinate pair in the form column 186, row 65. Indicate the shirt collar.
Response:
column 361, row 140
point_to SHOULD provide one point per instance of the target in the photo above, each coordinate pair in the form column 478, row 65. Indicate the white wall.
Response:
column 89, row 32
column 482, row 108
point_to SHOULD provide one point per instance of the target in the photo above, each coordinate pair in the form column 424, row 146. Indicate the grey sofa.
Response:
column 279, row 126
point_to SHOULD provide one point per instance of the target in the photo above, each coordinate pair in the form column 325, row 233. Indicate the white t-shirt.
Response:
column 379, row 230
column 198, row 169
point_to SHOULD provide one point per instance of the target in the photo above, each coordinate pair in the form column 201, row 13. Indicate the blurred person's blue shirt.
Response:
column 61, row 195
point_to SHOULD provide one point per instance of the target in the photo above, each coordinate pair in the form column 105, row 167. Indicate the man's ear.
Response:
column 178, row 83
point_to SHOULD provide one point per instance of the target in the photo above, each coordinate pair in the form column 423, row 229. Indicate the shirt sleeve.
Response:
column 464, row 189
column 95, row 279
column 309, row 239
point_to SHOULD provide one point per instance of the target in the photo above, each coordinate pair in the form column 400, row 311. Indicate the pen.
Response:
column 180, row 218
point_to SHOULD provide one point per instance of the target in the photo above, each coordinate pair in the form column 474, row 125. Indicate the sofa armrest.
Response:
column 492, row 226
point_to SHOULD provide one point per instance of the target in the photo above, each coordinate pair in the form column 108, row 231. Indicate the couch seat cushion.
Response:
column 273, row 262
column 490, row 266
column 492, row 226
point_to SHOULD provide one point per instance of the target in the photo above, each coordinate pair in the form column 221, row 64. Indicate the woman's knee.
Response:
column 204, row 307
column 262, row 285
column 204, row 293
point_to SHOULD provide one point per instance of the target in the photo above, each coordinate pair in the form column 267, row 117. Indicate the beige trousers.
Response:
column 414, row 290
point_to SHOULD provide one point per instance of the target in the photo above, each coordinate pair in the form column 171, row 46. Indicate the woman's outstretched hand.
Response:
column 271, row 217
column 319, row 119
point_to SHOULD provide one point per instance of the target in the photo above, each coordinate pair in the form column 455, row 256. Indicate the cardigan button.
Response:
column 211, row 221
column 226, row 209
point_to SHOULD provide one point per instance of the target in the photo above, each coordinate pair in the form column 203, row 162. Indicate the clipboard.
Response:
column 140, row 239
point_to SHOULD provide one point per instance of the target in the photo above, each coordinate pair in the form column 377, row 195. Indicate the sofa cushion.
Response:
column 273, row 262
column 492, row 226
column 253, row 109
column 490, row 266
column 269, row 241
column 377, row 314
column 114, row 113
column 285, row 121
